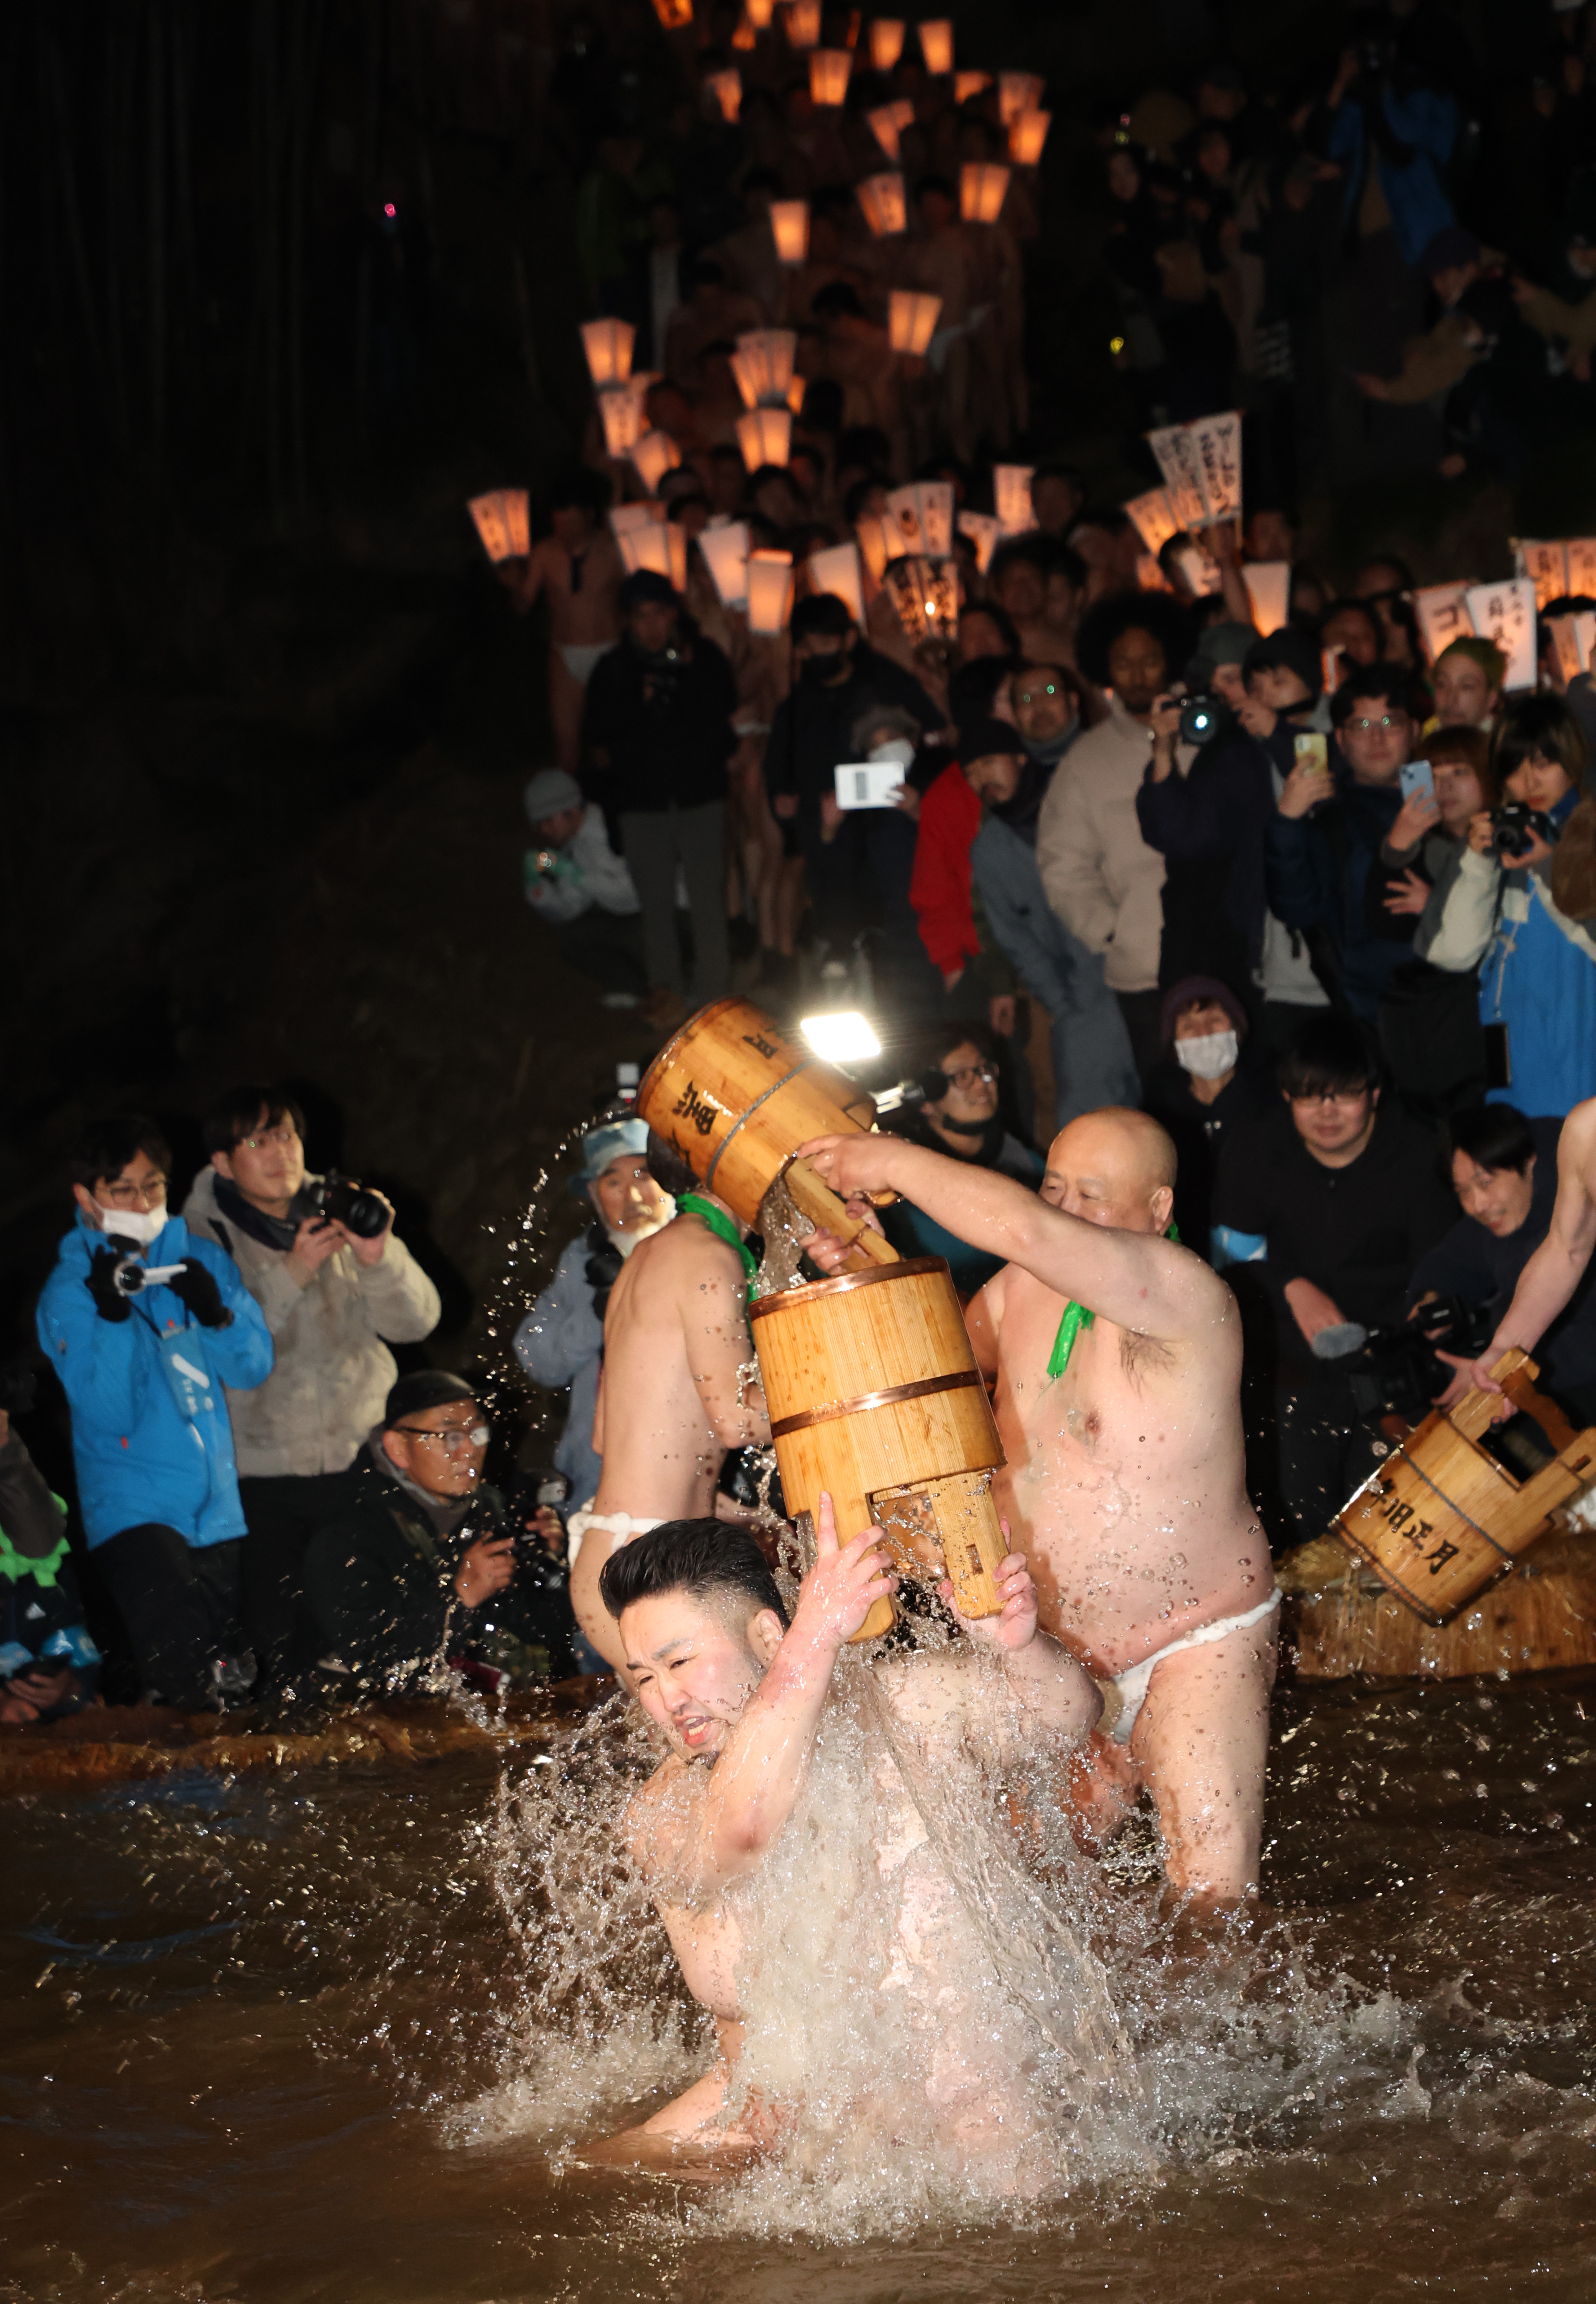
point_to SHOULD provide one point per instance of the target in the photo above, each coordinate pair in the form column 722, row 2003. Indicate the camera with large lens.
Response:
column 1397, row 1370
column 338, row 1200
column 1517, row 826
column 1202, row 717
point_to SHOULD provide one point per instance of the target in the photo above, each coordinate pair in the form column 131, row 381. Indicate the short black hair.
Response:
column 237, row 1114
column 1539, row 727
column 1326, row 1055
column 1372, row 683
column 822, row 613
column 999, row 618
column 669, row 1171
column 701, row 1557
column 1492, row 1135
column 1132, row 611
column 1370, row 616
column 102, row 1147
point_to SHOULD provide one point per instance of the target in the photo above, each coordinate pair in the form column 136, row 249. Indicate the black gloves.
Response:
column 101, row 1284
column 196, row 1289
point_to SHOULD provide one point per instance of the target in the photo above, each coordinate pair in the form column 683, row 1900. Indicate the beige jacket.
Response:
column 1102, row 879
column 332, row 1369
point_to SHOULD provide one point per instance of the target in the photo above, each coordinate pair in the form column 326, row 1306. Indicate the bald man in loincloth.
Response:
column 1117, row 1356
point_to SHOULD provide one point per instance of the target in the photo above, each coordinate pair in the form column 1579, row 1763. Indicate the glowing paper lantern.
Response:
column 745, row 37
column 1011, row 491
column 1268, row 591
column 1152, row 516
column 884, row 127
column 802, row 18
column 885, row 210
column 903, row 511
column 983, row 186
column 1026, row 137
column 502, row 523
column 875, row 543
column 926, row 598
column 758, row 13
column 1017, row 92
column 626, row 519
column 935, row 44
column 764, row 435
column 795, row 392
column 766, row 356
column 912, row 319
column 744, row 377
column 724, row 547
column 966, row 84
column 607, row 344
column 769, row 591
column 887, row 43
column 983, row 532
column 828, row 69
column 654, row 544
column 674, row 14
column 654, row 455
column 726, row 89
column 622, row 410
column 935, row 517
column 836, row 569
column 789, row 228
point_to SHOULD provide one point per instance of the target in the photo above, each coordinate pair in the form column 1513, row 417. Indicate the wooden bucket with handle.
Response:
column 875, row 1396
column 1459, row 1500
column 735, row 1095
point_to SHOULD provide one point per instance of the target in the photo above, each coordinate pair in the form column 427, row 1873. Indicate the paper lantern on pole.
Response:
column 885, row 209
column 726, row 89
column 926, row 598
column 764, row 435
column 886, row 42
column 935, row 44
column 622, row 411
column 607, row 344
column 883, row 126
column 935, row 517
column 674, row 14
column 875, row 544
column 725, row 548
column 902, row 511
column 1011, row 491
column 769, row 591
column 1017, row 92
column 912, row 319
column 758, row 13
column 966, row 84
column 745, row 37
column 654, row 455
column 983, row 186
column 836, row 569
column 983, row 529
column 789, row 228
column 802, row 19
column 828, row 69
column 767, row 356
column 501, row 523
column 1268, row 592
column 1026, row 137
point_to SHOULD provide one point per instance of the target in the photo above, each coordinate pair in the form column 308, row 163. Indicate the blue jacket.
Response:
column 1539, row 979
column 1426, row 122
column 1316, row 871
column 140, row 1457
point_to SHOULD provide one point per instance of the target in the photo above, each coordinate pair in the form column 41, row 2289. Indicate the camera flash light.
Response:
column 844, row 1038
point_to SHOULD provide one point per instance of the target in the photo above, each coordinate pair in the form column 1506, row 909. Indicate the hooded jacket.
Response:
column 332, row 1366
column 140, row 1456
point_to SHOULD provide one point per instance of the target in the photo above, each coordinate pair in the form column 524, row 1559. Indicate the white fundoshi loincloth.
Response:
column 1124, row 1695
column 619, row 1526
column 579, row 659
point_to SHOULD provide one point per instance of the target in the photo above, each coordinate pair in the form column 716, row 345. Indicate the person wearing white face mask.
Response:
column 1201, row 1088
column 145, row 1324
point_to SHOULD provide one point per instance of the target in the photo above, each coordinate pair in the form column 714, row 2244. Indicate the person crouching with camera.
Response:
column 423, row 1577
column 338, row 1287
column 153, row 1334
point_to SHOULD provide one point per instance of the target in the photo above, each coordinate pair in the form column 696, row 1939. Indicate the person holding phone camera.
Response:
column 336, row 1287
column 1506, row 914
column 1429, row 1016
column 154, row 1336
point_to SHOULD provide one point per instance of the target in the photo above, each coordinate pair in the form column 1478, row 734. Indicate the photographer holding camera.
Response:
column 423, row 1572
column 146, row 1324
column 320, row 1257
column 1537, row 961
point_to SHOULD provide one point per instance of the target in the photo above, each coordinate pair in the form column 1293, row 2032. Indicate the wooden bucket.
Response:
column 735, row 1095
column 1443, row 1517
column 875, row 1396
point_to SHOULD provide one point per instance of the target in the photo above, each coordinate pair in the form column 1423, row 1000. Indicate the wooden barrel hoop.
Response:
column 738, row 1125
column 866, row 1401
column 1483, row 1534
column 844, row 1284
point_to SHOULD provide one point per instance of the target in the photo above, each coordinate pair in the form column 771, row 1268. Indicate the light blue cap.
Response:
column 600, row 1146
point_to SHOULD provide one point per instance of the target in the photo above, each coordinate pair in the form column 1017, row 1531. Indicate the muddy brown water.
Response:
column 267, row 2040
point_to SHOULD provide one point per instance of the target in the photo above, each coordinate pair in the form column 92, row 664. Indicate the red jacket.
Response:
column 939, row 888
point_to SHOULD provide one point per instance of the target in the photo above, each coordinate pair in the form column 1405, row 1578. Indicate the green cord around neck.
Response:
column 1075, row 1317
column 722, row 1226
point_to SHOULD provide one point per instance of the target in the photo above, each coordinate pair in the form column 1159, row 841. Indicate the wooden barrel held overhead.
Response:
column 735, row 1095
column 1445, row 1515
column 875, row 1396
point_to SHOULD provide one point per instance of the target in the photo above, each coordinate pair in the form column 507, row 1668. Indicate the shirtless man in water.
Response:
column 1117, row 1356
column 678, row 1390
column 739, row 1695
column 579, row 569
